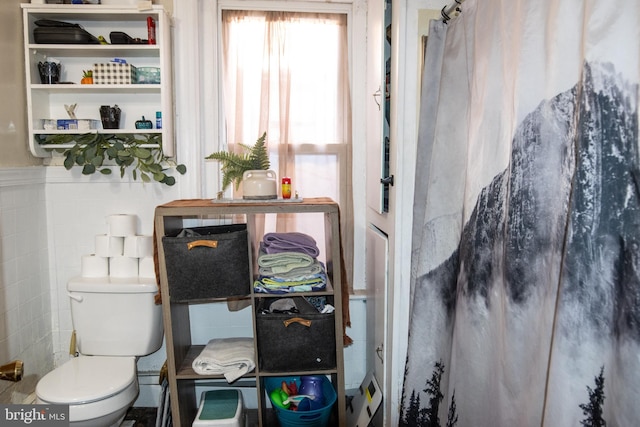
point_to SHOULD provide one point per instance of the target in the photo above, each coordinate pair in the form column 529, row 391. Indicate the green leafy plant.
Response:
column 98, row 152
column 234, row 165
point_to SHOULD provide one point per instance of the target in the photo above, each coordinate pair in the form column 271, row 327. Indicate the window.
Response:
column 286, row 73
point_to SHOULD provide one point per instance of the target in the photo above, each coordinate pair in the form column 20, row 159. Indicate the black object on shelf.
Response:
column 49, row 31
column 144, row 124
column 110, row 117
column 119, row 37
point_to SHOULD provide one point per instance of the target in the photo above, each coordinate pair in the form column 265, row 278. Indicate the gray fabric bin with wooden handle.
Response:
column 289, row 342
column 207, row 263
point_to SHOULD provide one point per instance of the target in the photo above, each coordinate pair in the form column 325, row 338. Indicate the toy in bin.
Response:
column 301, row 401
column 220, row 408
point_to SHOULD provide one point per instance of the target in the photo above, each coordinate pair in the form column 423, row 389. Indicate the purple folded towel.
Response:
column 273, row 243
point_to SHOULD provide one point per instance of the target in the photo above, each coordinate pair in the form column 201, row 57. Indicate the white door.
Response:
column 377, row 261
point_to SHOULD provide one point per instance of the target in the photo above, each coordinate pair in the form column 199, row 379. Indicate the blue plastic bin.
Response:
column 315, row 418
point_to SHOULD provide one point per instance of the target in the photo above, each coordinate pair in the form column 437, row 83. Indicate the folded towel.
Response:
column 231, row 357
column 283, row 262
column 297, row 273
column 290, row 242
column 289, row 265
column 269, row 282
column 259, row 287
column 269, row 285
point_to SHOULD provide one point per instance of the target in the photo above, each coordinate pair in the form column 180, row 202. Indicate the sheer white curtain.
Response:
column 286, row 73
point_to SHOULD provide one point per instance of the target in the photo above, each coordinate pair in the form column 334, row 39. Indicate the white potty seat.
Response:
column 92, row 386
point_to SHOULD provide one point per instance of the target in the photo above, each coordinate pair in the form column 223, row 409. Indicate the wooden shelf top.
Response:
column 198, row 206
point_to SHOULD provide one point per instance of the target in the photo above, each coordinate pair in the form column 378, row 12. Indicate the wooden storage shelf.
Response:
column 181, row 352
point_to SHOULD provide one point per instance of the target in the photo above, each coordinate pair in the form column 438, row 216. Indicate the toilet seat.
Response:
column 87, row 379
column 92, row 386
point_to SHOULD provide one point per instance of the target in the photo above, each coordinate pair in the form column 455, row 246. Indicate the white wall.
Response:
column 77, row 207
column 25, row 309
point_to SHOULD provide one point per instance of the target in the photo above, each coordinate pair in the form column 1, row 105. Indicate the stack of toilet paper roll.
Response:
column 120, row 253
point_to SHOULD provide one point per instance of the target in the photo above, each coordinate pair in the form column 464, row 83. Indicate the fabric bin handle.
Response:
column 300, row 320
column 197, row 243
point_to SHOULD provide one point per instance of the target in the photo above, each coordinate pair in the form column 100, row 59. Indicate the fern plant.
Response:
column 234, row 165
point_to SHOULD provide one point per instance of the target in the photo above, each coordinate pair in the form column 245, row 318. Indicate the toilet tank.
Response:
column 115, row 317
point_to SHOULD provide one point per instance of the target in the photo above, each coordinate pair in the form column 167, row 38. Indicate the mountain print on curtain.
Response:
column 541, row 299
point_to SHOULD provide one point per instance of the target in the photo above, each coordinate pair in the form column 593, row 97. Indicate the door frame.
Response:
column 407, row 32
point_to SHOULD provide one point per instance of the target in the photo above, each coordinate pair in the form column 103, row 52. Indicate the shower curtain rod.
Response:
column 451, row 11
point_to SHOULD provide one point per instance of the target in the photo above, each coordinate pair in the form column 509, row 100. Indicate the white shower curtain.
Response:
column 526, row 252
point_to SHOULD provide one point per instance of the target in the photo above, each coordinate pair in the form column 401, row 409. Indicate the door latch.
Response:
column 376, row 97
column 379, row 352
column 387, row 180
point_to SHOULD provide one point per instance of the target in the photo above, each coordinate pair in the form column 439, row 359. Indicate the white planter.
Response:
column 259, row 185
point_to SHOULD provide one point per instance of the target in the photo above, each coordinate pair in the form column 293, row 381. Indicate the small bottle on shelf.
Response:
column 158, row 119
column 286, row 188
column 151, row 30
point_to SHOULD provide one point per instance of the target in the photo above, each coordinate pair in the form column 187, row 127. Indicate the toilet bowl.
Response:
column 98, row 389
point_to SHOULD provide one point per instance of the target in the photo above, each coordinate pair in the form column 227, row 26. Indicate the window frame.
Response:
column 199, row 112
column 211, row 88
column 341, row 151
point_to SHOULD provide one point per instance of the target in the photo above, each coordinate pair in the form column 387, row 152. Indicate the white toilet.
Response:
column 116, row 320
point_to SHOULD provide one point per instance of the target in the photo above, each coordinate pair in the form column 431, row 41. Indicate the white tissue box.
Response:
column 220, row 408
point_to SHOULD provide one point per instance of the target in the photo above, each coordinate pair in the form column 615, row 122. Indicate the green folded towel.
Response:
column 283, row 262
column 270, row 283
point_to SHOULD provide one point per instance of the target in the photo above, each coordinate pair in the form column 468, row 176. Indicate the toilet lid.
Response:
column 86, row 379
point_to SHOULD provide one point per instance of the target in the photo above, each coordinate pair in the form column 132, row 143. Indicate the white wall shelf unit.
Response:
column 47, row 101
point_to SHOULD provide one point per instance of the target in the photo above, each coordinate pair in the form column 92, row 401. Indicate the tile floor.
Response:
column 140, row 417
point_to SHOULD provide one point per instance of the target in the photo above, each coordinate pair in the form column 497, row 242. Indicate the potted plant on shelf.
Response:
column 87, row 77
column 251, row 166
column 97, row 152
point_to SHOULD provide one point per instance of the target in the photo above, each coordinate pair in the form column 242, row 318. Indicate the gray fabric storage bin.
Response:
column 286, row 344
column 212, row 264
